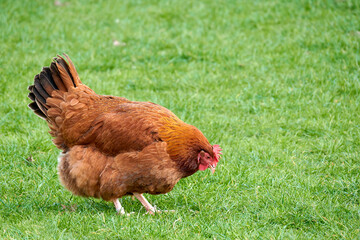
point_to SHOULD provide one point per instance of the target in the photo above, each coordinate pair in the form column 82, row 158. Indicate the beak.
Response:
column 212, row 168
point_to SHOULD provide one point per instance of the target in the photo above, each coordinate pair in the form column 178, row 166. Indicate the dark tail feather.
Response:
column 39, row 88
column 56, row 76
column 73, row 71
column 60, row 76
column 64, row 72
column 33, row 106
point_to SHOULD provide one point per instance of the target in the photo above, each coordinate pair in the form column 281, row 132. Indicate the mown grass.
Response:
column 275, row 83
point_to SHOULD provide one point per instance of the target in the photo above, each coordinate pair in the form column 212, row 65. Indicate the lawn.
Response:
column 275, row 83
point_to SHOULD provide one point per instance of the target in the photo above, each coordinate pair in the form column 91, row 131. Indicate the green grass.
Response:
column 275, row 83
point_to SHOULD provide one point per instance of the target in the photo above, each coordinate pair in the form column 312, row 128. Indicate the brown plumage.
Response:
column 111, row 146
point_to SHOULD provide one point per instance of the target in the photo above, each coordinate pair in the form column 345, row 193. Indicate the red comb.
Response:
column 217, row 150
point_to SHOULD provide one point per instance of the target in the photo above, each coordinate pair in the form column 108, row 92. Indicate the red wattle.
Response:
column 203, row 167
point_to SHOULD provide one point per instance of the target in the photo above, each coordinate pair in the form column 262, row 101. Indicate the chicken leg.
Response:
column 145, row 203
column 118, row 207
column 141, row 198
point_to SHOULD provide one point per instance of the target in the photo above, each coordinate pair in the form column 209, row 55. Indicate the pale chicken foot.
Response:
column 150, row 209
column 118, row 207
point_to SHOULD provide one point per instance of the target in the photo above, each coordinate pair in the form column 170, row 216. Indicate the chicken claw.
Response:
column 160, row 211
column 150, row 209
column 119, row 209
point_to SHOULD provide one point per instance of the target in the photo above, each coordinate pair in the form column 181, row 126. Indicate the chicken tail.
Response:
column 61, row 76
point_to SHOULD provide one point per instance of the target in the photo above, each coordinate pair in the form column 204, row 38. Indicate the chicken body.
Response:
column 114, row 147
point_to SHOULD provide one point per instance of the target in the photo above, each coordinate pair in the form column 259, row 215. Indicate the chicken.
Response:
column 111, row 146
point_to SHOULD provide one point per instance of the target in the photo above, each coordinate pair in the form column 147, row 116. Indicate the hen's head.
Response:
column 209, row 159
column 188, row 147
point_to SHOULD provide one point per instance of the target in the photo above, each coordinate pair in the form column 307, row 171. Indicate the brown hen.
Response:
column 111, row 146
